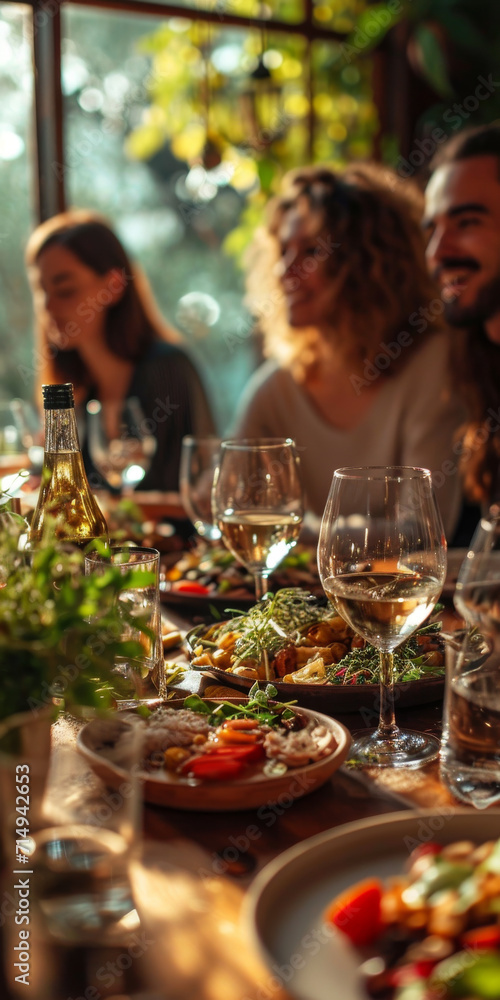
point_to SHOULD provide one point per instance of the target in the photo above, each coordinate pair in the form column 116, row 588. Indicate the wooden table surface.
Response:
column 197, row 866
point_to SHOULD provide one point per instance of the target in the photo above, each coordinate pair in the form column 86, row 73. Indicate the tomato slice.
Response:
column 402, row 975
column 237, row 737
column 482, row 937
column 249, row 752
column 240, row 724
column 189, row 587
column 357, row 911
column 214, row 768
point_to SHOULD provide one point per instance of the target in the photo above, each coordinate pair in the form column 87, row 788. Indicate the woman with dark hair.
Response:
column 98, row 327
column 358, row 369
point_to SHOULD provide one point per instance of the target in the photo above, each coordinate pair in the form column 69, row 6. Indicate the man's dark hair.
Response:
column 481, row 141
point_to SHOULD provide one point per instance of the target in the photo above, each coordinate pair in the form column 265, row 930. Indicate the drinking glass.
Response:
column 141, row 678
column 477, row 592
column 68, row 840
column 382, row 563
column 20, row 446
column 470, row 749
column 199, row 460
column 257, row 503
column 122, row 458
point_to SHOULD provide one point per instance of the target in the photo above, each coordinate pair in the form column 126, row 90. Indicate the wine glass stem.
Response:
column 260, row 585
column 260, row 590
column 387, row 725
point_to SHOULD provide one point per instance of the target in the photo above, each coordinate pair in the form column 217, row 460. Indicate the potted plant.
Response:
column 60, row 630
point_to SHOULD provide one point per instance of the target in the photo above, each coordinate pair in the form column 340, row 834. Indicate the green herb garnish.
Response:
column 259, row 706
column 362, row 666
column 273, row 623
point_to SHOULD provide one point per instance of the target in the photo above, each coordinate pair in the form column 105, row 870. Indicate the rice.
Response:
column 169, row 727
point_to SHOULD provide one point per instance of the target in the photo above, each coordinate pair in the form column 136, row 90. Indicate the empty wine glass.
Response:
column 382, row 563
column 199, row 460
column 477, row 592
column 19, row 427
column 257, row 503
column 124, row 454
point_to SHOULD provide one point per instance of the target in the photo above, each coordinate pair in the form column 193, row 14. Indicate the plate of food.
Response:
column 219, row 755
column 401, row 907
column 210, row 576
column 314, row 656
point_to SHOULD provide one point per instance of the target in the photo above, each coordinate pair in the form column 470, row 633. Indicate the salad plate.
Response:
column 342, row 698
column 201, row 577
column 99, row 742
column 314, row 657
column 285, row 904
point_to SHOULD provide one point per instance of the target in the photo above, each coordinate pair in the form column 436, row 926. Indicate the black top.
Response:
column 173, row 402
column 58, row 396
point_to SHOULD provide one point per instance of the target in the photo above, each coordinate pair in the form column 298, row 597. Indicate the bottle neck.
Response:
column 61, row 433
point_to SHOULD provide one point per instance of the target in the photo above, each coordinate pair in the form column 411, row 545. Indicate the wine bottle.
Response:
column 66, row 506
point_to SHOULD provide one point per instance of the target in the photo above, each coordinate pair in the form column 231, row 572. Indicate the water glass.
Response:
column 142, row 678
column 470, row 746
column 68, row 840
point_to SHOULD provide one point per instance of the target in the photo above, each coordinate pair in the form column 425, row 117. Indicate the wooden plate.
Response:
column 284, row 907
column 338, row 699
column 97, row 741
column 202, row 604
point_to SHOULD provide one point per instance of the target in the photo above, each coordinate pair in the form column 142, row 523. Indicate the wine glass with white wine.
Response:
column 382, row 563
column 257, row 503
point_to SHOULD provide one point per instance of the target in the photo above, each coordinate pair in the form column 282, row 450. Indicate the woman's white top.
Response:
column 412, row 421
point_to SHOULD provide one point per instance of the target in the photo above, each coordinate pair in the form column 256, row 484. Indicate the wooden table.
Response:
column 197, row 866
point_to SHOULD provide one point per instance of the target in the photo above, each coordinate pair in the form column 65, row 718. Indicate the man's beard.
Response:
column 487, row 304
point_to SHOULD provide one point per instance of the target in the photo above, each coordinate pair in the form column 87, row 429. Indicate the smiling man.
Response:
column 462, row 223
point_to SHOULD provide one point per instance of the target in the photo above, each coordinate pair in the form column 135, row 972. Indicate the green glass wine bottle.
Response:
column 66, row 505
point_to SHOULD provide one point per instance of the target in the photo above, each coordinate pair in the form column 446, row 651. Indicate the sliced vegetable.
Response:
column 482, row 938
column 247, row 753
column 214, row 768
column 466, row 974
column 357, row 911
column 441, row 875
column 236, row 736
column 189, row 587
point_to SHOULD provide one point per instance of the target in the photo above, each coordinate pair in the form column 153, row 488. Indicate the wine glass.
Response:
column 382, row 563
column 123, row 454
column 477, row 592
column 470, row 751
column 257, row 503
column 199, row 460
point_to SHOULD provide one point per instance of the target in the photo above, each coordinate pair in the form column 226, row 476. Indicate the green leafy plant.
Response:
column 60, row 630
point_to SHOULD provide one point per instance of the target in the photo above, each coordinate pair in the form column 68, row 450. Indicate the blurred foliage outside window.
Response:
column 17, row 216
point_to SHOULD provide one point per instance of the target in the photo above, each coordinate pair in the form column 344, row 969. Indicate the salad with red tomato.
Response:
column 432, row 933
column 222, row 741
column 215, row 573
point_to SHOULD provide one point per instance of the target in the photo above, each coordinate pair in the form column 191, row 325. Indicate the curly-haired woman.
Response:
column 358, row 353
